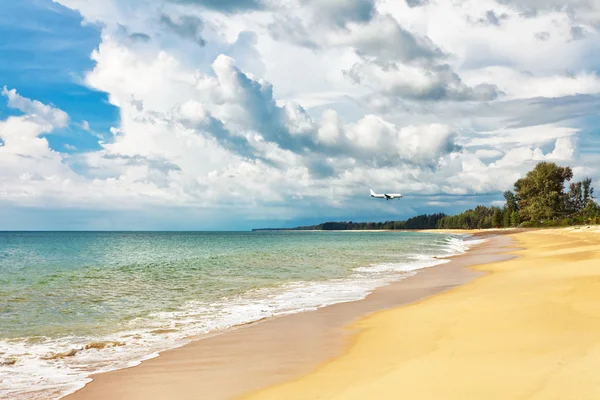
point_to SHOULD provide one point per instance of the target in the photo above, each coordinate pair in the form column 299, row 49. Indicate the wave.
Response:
column 44, row 367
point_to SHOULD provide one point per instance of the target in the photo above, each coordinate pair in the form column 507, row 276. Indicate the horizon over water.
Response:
column 73, row 303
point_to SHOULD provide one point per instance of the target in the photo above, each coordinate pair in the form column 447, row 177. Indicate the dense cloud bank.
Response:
column 282, row 105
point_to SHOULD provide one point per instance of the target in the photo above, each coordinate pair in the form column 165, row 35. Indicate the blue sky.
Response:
column 46, row 52
column 158, row 114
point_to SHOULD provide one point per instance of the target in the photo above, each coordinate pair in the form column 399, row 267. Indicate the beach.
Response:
column 528, row 329
column 77, row 305
column 521, row 322
column 515, row 317
column 273, row 351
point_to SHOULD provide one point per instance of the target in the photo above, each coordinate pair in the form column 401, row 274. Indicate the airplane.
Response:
column 386, row 196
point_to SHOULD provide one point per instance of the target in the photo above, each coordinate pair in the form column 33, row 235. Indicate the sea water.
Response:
column 77, row 303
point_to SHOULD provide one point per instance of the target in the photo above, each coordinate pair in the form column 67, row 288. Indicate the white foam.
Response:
column 420, row 262
column 470, row 243
column 33, row 377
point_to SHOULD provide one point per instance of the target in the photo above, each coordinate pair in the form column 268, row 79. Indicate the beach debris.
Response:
column 102, row 345
column 9, row 361
column 163, row 331
column 57, row 356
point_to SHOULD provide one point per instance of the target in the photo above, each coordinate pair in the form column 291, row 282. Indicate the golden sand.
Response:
column 530, row 329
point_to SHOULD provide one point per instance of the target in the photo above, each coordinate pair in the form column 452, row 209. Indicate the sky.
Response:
column 240, row 114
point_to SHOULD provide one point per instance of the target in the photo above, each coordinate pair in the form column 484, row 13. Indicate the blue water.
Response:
column 75, row 303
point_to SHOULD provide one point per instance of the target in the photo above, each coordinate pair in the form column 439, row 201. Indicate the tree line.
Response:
column 539, row 199
column 426, row 221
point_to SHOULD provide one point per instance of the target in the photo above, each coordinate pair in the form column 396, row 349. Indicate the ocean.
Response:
column 77, row 303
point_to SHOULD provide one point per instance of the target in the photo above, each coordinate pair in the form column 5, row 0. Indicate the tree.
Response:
column 540, row 195
column 506, row 217
column 509, row 207
column 588, row 190
column 515, row 219
column 497, row 219
column 580, row 194
column 591, row 210
column 511, row 201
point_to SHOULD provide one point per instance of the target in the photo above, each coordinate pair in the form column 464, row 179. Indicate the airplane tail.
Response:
column 372, row 192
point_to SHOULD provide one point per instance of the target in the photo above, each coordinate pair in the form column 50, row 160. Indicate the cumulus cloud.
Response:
column 436, row 98
column 417, row 83
column 55, row 117
column 29, row 169
column 399, row 44
column 244, row 105
column 386, row 144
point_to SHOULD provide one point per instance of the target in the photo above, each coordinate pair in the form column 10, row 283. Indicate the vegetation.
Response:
column 421, row 222
column 481, row 217
column 539, row 200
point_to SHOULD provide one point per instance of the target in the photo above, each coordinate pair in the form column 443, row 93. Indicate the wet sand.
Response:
column 270, row 352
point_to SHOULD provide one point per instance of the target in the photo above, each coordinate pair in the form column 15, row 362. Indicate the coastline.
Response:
column 528, row 329
column 258, row 355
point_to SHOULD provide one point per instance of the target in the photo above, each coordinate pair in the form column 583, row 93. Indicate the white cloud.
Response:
column 564, row 150
column 399, row 44
column 534, row 135
column 418, row 83
column 519, row 85
column 44, row 113
column 287, row 104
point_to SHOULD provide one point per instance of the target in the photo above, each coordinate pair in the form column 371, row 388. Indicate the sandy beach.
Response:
column 529, row 329
column 515, row 318
column 277, row 350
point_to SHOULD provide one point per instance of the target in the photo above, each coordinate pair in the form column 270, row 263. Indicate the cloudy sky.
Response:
column 233, row 114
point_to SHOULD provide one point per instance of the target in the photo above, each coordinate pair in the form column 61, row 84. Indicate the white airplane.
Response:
column 386, row 196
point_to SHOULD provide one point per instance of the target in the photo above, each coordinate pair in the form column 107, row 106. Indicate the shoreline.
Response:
column 275, row 350
column 527, row 329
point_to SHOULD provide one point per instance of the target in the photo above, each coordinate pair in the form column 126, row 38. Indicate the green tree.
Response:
column 497, row 219
column 515, row 219
column 511, row 201
column 506, row 217
column 579, row 195
column 591, row 210
column 588, row 190
column 540, row 195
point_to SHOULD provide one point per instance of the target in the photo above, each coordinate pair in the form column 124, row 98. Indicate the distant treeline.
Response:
column 421, row 222
column 539, row 200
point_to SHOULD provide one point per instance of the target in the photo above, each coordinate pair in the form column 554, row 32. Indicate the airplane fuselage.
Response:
column 387, row 196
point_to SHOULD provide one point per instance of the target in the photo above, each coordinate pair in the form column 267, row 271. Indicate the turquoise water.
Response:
column 72, row 304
